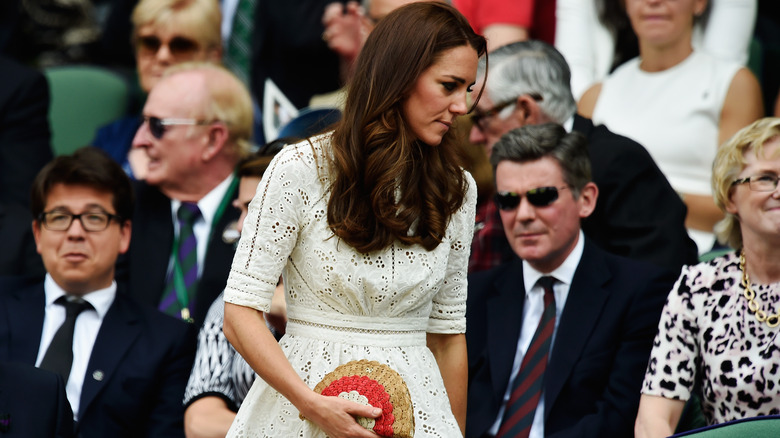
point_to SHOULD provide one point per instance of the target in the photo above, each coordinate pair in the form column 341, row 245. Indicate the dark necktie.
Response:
column 59, row 356
column 528, row 385
column 180, row 290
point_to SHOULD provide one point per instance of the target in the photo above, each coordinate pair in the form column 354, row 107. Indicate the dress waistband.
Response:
column 356, row 335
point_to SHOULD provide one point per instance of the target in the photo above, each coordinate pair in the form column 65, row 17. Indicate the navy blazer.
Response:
column 33, row 403
column 601, row 348
column 136, row 373
column 145, row 265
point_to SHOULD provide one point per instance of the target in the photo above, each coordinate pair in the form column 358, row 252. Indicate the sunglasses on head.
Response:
column 157, row 125
column 538, row 197
column 177, row 45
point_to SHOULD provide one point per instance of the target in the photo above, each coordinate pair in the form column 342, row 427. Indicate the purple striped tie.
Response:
column 529, row 382
column 184, row 274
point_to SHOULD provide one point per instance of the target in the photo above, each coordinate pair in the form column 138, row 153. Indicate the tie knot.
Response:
column 188, row 212
column 73, row 307
column 546, row 282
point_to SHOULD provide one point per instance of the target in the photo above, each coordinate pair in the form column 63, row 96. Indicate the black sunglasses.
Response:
column 538, row 197
column 157, row 125
column 177, row 45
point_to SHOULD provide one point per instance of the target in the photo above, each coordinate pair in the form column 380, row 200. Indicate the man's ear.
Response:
column 126, row 231
column 217, row 140
column 530, row 110
column 36, row 229
column 587, row 200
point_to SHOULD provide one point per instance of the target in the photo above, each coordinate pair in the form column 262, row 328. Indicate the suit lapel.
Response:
column 582, row 311
column 26, row 310
column 121, row 326
column 505, row 314
column 151, row 245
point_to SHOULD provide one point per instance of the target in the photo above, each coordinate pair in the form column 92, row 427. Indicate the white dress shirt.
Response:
column 532, row 313
column 84, row 334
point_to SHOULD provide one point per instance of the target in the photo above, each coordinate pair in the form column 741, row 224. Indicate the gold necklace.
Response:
column 750, row 295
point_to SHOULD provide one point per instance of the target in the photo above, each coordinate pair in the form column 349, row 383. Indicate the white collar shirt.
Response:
column 84, row 334
column 208, row 206
column 532, row 313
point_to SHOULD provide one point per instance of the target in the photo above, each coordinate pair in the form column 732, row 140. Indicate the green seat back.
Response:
column 83, row 98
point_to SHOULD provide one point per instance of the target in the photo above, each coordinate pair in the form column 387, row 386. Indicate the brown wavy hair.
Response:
column 387, row 185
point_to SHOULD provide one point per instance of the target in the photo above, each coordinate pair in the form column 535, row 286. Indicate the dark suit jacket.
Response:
column 638, row 214
column 145, row 264
column 33, row 402
column 136, row 374
column 19, row 257
column 601, row 348
column 24, row 129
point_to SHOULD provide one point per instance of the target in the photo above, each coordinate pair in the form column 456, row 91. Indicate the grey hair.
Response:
column 531, row 67
column 534, row 142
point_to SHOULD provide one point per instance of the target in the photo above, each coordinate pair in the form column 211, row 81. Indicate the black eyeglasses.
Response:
column 538, row 197
column 91, row 221
column 759, row 183
column 157, row 125
column 177, row 46
column 478, row 118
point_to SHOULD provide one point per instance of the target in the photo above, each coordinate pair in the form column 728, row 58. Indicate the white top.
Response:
column 674, row 114
column 532, row 313
column 589, row 47
column 84, row 334
column 344, row 305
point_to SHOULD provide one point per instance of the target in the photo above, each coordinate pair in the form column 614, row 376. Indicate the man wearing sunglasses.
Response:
column 197, row 123
column 638, row 215
column 124, row 365
column 559, row 336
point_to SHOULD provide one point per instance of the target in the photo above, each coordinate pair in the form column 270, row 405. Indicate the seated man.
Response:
column 125, row 365
column 165, row 33
column 559, row 336
column 197, row 126
column 638, row 215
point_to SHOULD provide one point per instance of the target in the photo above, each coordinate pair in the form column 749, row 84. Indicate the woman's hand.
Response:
column 336, row 416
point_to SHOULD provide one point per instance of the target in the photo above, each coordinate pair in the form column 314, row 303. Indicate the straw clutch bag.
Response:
column 376, row 384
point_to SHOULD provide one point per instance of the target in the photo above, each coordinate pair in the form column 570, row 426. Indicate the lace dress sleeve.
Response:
column 448, row 314
column 271, row 228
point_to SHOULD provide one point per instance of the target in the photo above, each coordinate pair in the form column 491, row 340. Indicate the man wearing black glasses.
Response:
column 638, row 214
column 560, row 335
column 197, row 123
column 125, row 365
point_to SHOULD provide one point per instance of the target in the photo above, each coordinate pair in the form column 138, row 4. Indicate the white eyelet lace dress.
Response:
column 344, row 305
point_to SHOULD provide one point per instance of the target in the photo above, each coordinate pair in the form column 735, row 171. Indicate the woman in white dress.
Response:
column 370, row 225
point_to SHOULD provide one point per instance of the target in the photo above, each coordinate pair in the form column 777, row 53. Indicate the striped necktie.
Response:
column 238, row 53
column 529, row 382
column 183, row 281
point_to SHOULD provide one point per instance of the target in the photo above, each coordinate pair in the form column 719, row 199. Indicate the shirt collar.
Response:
column 563, row 273
column 100, row 299
column 208, row 204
